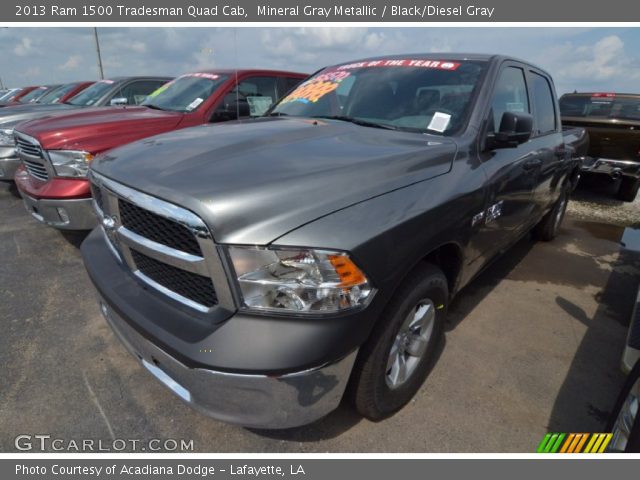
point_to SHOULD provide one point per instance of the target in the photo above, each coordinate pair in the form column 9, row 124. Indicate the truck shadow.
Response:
column 593, row 380
column 75, row 237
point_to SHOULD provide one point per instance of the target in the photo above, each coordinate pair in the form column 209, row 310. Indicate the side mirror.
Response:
column 515, row 129
column 232, row 111
column 119, row 101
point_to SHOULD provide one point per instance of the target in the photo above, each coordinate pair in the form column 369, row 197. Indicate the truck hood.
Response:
column 254, row 181
column 100, row 128
column 15, row 115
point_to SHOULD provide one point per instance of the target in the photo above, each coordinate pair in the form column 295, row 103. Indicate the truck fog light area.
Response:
column 62, row 213
column 299, row 280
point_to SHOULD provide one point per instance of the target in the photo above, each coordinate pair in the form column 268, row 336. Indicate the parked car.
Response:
column 99, row 94
column 35, row 94
column 10, row 93
column 624, row 421
column 56, row 152
column 613, row 123
column 17, row 95
column 63, row 93
column 258, row 268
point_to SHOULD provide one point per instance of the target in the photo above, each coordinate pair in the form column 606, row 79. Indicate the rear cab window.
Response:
column 544, row 104
column 601, row 105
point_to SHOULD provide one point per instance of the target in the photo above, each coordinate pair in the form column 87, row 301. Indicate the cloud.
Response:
column 24, row 48
column 72, row 63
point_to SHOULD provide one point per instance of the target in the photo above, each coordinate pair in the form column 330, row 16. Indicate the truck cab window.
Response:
column 136, row 92
column 259, row 92
column 545, row 112
column 510, row 95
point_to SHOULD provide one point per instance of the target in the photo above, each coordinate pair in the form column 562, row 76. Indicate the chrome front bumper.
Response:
column 9, row 163
column 63, row 214
column 259, row 401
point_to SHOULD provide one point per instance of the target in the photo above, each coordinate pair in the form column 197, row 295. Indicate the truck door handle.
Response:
column 531, row 164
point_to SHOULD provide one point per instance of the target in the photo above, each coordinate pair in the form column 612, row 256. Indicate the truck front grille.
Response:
column 162, row 244
column 157, row 228
column 189, row 285
column 36, row 169
column 31, row 155
column 28, row 147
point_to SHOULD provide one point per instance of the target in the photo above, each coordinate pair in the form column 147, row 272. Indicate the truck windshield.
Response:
column 402, row 94
column 91, row 95
column 600, row 106
column 56, row 94
column 185, row 93
column 34, row 94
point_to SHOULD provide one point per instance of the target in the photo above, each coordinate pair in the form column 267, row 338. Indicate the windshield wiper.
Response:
column 278, row 114
column 152, row 106
column 356, row 121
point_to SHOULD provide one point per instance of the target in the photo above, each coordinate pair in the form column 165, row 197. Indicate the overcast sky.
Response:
column 600, row 59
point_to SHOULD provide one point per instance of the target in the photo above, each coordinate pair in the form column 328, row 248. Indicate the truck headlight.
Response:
column 299, row 280
column 6, row 137
column 70, row 163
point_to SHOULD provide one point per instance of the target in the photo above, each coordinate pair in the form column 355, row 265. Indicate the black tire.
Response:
column 369, row 389
column 633, row 443
column 547, row 229
column 628, row 189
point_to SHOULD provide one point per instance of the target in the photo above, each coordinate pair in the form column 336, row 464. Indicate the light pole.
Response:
column 95, row 34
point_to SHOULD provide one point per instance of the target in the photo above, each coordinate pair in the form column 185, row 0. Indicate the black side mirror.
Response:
column 232, row 110
column 515, row 128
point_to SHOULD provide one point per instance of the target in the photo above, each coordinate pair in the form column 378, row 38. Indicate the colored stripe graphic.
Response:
column 574, row 443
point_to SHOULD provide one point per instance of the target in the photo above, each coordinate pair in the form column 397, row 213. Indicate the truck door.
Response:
column 548, row 142
column 510, row 182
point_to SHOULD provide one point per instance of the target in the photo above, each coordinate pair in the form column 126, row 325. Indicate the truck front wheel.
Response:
column 628, row 189
column 396, row 359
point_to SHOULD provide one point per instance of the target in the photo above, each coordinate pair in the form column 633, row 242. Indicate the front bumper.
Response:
column 9, row 163
column 613, row 168
column 259, row 401
column 76, row 214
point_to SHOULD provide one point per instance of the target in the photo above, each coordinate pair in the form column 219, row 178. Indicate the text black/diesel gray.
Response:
column 261, row 269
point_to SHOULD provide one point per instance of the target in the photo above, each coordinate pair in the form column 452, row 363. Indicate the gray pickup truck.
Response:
column 261, row 269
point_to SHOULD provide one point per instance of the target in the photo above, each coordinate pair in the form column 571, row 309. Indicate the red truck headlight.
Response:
column 299, row 280
column 70, row 163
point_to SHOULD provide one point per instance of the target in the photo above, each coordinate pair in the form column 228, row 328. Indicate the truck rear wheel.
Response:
column 628, row 189
column 547, row 229
column 396, row 359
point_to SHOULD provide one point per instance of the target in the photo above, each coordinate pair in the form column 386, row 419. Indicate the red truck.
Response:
column 56, row 152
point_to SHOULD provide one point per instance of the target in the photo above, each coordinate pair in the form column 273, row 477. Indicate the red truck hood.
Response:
column 97, row 129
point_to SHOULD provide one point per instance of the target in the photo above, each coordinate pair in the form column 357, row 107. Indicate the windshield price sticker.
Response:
column 193, row 105
column 435, row 64
column 439, row 122
column 313, row 90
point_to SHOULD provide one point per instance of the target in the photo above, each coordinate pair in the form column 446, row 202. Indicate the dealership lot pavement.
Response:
column 533, row 345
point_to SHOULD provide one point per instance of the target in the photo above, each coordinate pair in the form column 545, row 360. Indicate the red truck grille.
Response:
column 30, row 153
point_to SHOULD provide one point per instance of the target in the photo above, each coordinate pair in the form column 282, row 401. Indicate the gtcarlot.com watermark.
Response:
column 49, row 443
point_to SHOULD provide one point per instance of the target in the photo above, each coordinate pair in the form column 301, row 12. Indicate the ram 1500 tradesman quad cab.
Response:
column 258, row 268
column 120, row 90
column 56, row 152
column 612, row 121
